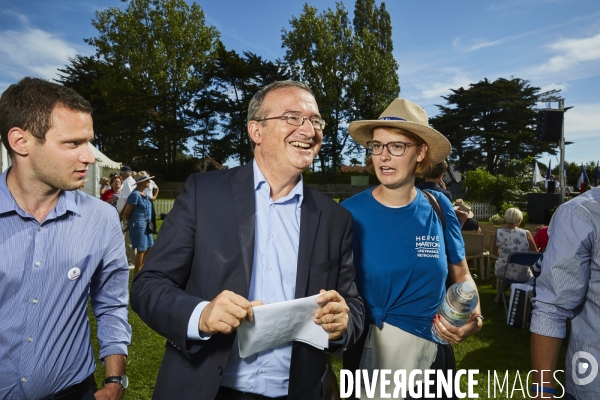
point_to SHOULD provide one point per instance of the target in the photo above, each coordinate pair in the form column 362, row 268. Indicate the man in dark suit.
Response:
column 246, row 236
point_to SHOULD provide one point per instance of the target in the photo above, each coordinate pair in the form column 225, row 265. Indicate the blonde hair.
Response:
column 103, row 180
column 513, row 215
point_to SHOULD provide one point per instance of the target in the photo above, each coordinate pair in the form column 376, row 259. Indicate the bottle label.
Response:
column 456, row 318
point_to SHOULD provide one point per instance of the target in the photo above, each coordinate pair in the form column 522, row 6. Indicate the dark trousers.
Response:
column 80, row 391
column 153, row 217
column 226, row 393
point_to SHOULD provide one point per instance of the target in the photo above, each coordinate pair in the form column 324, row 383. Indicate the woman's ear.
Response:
column 422, row 151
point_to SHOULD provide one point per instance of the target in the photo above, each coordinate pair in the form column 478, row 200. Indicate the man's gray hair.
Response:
column 254, row 108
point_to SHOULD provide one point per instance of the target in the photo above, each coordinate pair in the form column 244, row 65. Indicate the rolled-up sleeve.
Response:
column 563, row 282
column 109, row 295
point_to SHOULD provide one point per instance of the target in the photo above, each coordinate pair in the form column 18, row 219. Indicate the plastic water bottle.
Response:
column 460, row 300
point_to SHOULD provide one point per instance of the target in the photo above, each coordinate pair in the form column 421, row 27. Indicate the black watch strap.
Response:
column 121, row 380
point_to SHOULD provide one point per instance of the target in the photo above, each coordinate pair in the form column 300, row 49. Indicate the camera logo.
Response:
column 583, row 363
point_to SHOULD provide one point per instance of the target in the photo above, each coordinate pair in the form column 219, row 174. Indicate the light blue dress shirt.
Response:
column 569, row 288
column 48, row 272
column 277, row 236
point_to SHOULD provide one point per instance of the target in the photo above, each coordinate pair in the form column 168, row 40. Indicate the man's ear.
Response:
column 19, row 141
column 254, row 130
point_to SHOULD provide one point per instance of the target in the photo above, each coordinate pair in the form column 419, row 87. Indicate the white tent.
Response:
column 95, row 171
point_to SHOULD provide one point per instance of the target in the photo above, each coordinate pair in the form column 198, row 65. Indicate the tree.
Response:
column 491, row 123
column 119, row 123
column 158, row 49
column 237, row 78
column 318, row 52
column 374, row 83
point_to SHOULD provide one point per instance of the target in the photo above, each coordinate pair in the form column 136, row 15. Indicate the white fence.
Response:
column 163, row 206
column 482, row 210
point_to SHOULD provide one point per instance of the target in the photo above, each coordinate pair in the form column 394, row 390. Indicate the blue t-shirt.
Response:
column 401, row 257
column 142, row 211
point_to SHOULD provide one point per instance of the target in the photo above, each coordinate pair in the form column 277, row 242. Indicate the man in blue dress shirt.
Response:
column 60, row 247
column 246, row 236
column 568, row 288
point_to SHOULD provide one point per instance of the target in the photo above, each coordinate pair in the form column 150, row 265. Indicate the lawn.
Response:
column 497, row 347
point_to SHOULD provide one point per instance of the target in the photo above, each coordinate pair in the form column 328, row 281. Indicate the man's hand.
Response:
column 453, row 334
column 333, row 316
column 112, row 391
column 226, row 312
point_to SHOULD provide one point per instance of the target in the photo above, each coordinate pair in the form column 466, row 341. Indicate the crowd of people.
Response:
column 378, row 265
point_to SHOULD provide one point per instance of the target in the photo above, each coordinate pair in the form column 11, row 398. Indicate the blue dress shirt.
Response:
column 47, row 273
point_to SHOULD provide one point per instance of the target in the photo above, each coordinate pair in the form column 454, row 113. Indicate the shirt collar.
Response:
column 260, row 180
column 67, row 201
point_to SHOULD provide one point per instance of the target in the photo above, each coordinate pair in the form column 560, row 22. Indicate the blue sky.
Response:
column 555, row 44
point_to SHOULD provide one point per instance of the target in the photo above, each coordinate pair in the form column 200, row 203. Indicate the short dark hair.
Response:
column 254, row 108
column 29, row 103
column 436, row 170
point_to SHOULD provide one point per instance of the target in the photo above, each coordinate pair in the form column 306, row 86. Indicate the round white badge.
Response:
column 74, row 273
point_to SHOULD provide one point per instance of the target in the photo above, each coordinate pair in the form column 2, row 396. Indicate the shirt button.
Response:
column 220, row 371
column 271, row 235
column 260, row 371
column 30, row 339
column 270, row 267
column 37, row 263
column 40, row 228
column 35, row 301
column 23, row 379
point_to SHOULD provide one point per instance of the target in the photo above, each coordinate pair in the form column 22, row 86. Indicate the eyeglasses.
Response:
column 298, row 120
column 396, row 149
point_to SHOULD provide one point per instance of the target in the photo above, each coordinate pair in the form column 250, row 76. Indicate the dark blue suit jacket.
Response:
column 205, row 246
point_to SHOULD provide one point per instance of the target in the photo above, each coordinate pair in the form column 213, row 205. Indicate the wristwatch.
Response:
column 121, row 380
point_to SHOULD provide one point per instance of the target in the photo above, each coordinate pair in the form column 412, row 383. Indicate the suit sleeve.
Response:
column 158, row 291
column 347, row 289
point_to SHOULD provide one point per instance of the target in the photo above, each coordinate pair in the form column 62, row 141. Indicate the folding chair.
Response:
column 524, row 258
column 474, row 251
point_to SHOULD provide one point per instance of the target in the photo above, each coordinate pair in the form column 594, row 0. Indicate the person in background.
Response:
column 403, row 253
column 471, row 223
column 61, row 250
column 152, row 192
column 127, row 187
column 541, row 238
column 551, row 185
column 508, row 240
column 434, row 179
column 82, row 183
column 568, row 289
column 112, row 195
column 104, row 185
column 138, row 213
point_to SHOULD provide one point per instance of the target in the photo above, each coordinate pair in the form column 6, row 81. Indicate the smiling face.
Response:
column 61, row 162
column 393, row 171
column 281, row 148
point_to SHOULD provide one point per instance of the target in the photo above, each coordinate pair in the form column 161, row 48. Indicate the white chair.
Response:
column 474, row 251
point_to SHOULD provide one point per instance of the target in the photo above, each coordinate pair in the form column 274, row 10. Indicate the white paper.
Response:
column 278, row 323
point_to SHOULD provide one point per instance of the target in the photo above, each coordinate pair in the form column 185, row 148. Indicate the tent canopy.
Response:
column 102, row 160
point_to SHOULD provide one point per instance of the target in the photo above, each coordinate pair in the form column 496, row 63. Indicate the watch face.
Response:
column 124, row 381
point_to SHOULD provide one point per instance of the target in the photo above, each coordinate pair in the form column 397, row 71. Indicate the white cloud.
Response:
column 31, row 51
column 480, row 43
column 572, row 52
column 583, row 122
column 447, row 78
column 554, row 86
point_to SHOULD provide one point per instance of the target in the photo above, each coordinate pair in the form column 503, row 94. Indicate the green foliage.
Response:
column 156, row 52
column 491, row 123
column 484, row 187
column 496, row 219
column 352, row 72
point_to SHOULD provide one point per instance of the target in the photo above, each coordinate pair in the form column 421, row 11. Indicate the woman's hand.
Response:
column 453, row 334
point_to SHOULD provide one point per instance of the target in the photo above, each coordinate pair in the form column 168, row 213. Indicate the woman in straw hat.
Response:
column 138, row 212
column 470, row 223
column 402, row 253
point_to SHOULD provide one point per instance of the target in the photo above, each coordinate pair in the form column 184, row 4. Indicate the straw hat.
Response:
column 404, row 114
column 460, row 205
column 142, row 176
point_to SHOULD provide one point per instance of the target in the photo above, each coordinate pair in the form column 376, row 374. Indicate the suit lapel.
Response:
column 242, row 187
column 309, row 223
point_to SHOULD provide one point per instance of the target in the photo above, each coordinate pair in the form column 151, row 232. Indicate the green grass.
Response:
column 497, row 347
